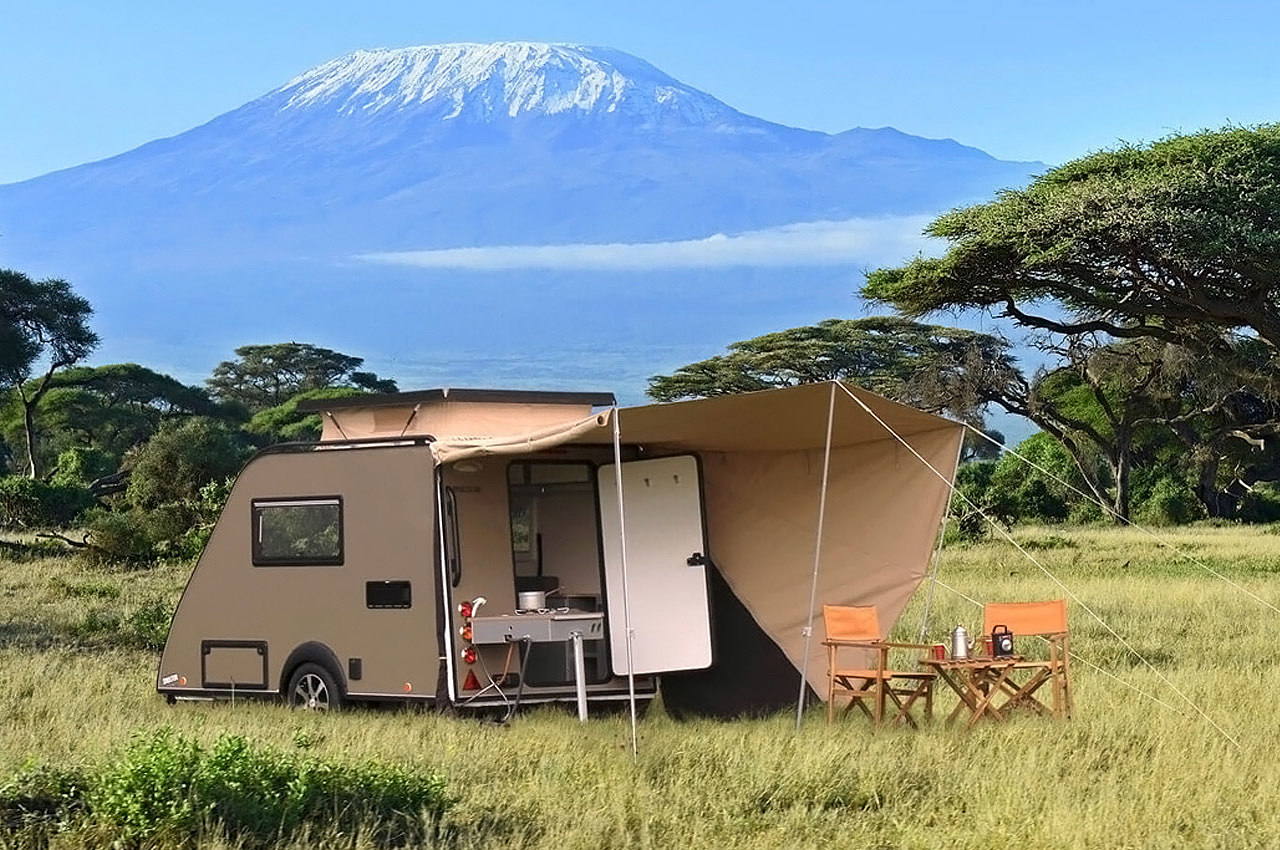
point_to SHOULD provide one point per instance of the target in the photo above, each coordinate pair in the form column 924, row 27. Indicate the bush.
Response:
column 119, row 538
column 28, row 503
column 182, row 458
column 1260, row 504
column 81, row 465
column 149, row 625
column 1170, row 502
column 41, row 796
column 165, row 787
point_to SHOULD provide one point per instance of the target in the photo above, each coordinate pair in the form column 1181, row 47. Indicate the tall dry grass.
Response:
column 1138, row 767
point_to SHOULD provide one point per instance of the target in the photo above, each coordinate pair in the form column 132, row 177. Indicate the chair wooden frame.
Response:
column 858, row 628
column 1049, row 621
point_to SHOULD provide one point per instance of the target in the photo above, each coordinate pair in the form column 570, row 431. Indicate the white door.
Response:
column 666, row 566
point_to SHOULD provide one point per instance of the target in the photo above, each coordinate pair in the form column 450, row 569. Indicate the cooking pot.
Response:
column 531, row 600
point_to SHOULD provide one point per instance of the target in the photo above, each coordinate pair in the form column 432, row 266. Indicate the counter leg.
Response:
column 580, row 675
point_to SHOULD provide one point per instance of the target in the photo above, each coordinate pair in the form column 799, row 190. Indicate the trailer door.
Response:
column 666, row 566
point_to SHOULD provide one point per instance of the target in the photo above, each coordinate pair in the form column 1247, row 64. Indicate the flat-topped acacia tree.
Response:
column 1177, row 240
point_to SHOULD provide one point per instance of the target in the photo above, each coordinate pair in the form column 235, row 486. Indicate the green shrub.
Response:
column 81, row 465
column 84, row 589
column 182, row 458
column 119, row 538
column 165, row 787
column 41, row 795
column 1169, row 502
column 145, row 627
column 28, row 503
column 149, row 625
column 1260, row 504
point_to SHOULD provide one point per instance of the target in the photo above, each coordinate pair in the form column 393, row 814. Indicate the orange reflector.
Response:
column 182, row 680
column 408, row 686
column 466, row 632
column 471, row 683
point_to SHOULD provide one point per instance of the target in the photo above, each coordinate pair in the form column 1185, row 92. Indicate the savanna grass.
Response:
column 1174, row 743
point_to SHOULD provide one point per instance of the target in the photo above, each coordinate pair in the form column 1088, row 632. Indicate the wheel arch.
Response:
column 315, row 653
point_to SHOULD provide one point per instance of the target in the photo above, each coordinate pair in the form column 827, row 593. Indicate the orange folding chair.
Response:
column 856, row 629
column 1049, row 621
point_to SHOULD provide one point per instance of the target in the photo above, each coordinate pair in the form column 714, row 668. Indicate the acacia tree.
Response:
column 43, row 328
column 1177, row 240
column 264, row 376
column 105, row 410
column 939, row 369
column 1101, row 403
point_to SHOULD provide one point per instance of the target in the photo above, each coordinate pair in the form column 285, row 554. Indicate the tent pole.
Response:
column 626, row 601
column 937, row 554
column 817, row 558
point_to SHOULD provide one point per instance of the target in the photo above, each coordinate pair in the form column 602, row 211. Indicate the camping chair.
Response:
column 858, row 628
column 1049, row 621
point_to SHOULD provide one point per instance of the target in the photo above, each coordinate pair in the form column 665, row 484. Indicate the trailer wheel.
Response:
column 314, row 688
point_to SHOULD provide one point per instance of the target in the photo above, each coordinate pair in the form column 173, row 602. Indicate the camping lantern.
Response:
column 1001, row 642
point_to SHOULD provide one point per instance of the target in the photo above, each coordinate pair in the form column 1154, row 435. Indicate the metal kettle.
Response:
column 960, row 643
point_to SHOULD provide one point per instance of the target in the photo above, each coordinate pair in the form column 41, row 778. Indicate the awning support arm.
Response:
column 817, row 558
column 626, row 600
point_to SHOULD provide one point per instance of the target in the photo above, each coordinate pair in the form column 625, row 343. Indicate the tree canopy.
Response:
column 943, row 370
column 1178, row 240
column 109, row 409
column 43, row 325
column 264, row 376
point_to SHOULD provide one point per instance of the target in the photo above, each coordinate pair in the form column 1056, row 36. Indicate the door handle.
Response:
column 697, row 559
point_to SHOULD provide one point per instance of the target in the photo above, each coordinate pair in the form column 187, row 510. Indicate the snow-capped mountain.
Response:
column 484, row 82
column 261, row 221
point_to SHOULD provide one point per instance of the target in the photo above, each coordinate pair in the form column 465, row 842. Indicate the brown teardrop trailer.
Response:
column 465, row 548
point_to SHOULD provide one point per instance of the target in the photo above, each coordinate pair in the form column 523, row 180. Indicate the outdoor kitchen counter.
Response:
column 550, row 626
column 545, row 626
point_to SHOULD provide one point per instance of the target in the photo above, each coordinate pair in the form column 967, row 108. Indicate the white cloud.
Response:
column 859, row 241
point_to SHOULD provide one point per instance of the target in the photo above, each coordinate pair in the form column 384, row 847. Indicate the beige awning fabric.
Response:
column 456, row 449
column 762, row 458
column 884, row 508
column 446, row 419
column 787, row 419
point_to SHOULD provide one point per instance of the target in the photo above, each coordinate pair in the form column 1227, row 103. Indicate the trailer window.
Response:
column 297, row 532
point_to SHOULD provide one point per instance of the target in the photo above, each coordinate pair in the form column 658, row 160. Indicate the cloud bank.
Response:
column 859, row 241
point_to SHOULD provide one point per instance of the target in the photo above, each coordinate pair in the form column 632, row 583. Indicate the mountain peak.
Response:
column 487, row 81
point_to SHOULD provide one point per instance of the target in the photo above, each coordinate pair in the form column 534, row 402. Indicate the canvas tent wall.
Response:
column 762, row 459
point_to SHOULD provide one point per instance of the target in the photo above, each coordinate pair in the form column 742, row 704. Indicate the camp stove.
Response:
column 543, row 625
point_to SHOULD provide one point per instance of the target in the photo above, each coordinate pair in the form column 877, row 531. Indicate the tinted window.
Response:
column 297, row 532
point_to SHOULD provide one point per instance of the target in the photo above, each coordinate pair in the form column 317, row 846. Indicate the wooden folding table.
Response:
column 988, row 686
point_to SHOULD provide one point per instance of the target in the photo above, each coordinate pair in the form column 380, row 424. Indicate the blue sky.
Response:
column 1031, row 81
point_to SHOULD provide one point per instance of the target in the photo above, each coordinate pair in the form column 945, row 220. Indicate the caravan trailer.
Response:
column 483, row 549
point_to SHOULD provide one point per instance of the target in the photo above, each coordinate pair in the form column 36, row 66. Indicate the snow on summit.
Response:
column 484, row 81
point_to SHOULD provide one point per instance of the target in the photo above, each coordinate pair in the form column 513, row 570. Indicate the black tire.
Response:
column 314, row 688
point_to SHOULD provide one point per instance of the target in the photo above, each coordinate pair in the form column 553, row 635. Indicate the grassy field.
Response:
column 1138, row 767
